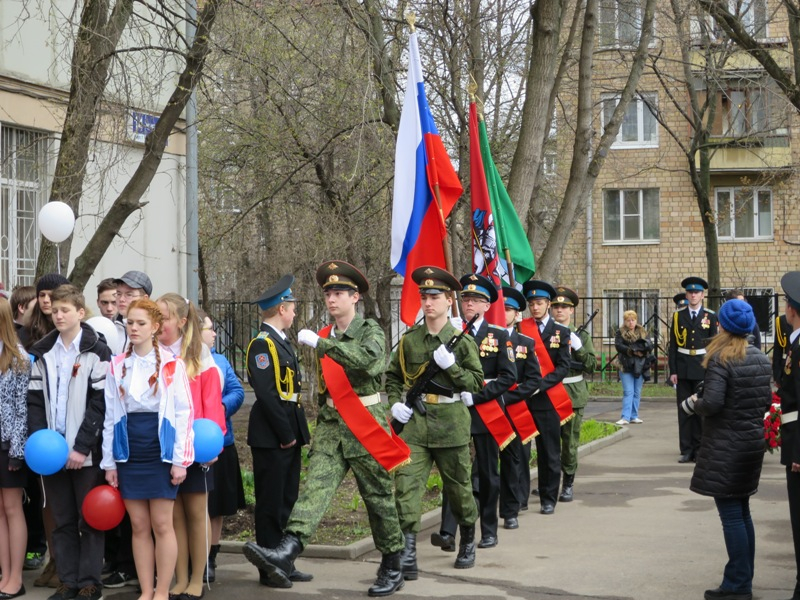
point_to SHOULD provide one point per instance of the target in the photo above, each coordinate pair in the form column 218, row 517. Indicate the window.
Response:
column 750, row 107
column 744, row 213
column 761, row 301
column 23, row 181
column 620, row 22
column 618, row 301
column 753, row 15
column 639, row 127
column 630, row 215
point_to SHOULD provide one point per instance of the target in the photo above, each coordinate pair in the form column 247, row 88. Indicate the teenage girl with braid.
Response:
column 181, row 336
column 148, row 442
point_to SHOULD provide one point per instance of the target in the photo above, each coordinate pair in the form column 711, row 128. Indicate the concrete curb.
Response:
column 428, row 520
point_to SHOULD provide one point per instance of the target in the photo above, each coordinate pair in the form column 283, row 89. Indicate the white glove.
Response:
column 444, row 358
column 457, row 322
column 466, row 398
column 401, row 412
column 307, row 337
column 575, row 341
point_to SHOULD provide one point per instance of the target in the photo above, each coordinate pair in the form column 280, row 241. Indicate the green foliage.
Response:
column 609, row 389
column 249, row 487
column 434, row 482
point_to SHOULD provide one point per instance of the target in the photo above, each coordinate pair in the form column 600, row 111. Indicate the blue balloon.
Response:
column 208, row 440
column 46, row 452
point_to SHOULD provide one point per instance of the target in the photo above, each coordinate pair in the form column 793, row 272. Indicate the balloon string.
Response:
column 44, row 494
column 206, row 468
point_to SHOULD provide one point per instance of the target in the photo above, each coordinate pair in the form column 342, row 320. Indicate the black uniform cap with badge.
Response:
column 536, row 288
column 680, row 299
column 434, row 280
column 694, row 284
column 478, row 286
column 277, row 293
column 513, row 298
column 339, row 275
column 565, row 297
column 790, row 283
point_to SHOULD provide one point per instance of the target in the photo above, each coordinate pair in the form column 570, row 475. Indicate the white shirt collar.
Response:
column 477, row 324
column 276, row 330
column 74, row 345
column 793, row 336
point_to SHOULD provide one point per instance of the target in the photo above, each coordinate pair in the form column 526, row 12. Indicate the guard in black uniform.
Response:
column 790, row 402
column 277, row 429
column 555, row 338
column 499, row 374
column 780, row 350
column 515, row 471
column 680, row 299
column 691, row 328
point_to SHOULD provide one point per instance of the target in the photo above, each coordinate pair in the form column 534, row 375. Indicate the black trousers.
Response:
column 548, row 451
column 485, row 487
column 793, row 487
column 276, row 479
column 690, row 427
column 119, row 547
column 511, row 486
column 37, row 540
column 525, row 475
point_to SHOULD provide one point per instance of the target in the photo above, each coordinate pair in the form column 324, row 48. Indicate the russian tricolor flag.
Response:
column 422, row 167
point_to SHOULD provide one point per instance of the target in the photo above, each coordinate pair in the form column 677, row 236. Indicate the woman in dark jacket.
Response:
column 633, row 355
column 735, row 396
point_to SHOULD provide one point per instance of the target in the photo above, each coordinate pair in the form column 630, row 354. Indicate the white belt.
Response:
column 365, row 400
column 485, row 381
column 292, row 398
column 789, row 417
column 573, row 379
column 438, row 399
column 692, row 351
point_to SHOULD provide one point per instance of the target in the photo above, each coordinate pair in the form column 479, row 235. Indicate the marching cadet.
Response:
column 277, row 428
column 352, row 433
column 680, row 299
column 499, row 374
column 789, row 393
column 783, row 330
column 555, row 341
column 442, row 434
column 583, row 361
column 515, row 470
column 692, row 327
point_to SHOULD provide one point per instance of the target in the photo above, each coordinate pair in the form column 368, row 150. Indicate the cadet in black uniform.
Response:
column 783, row 330
column 499, row 374
column 790, row 401
column 277, row 428
column 691, row 328
column 515, row 471
column 555, row 338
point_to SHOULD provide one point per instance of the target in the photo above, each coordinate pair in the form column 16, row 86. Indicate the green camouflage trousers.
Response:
column 454, row 466
column 326, row 470
column 570, row 439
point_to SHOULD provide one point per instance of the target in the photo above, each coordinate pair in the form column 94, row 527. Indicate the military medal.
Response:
column 522, row 352
column 705, row 323
column 555, row 340
column 787, row 368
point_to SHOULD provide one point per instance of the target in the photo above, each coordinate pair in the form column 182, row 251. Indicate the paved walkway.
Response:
column 634, row 531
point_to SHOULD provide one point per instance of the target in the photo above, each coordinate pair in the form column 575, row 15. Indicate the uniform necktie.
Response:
column 694, row 315
column 540, row 325
column 472, row 331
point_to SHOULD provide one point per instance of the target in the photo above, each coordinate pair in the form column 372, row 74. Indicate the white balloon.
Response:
column 108, row 329
column 56, row 221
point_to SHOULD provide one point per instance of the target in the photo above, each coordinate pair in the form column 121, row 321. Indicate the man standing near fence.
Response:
column 690, row 329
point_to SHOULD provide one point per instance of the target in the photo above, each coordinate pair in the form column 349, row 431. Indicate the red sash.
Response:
column 558, row 393
column 389, row 450
column 523, row 419
column 496, row 422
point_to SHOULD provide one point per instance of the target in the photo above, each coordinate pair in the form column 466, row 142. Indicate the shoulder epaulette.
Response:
column 684, row 307
column 524, row 337
column 709, row 311
column 497, row 327
column 262, row 335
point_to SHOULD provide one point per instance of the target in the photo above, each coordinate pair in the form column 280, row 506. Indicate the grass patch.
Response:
column 614, row 389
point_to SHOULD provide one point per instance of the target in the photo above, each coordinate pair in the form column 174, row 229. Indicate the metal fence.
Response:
column 239, row 322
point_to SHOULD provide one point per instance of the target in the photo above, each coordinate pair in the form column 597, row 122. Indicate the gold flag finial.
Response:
column 472, row 87
column 411, row 18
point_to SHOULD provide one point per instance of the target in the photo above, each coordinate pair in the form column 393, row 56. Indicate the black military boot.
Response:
column 277, row 562
column 566, row 488
column 408, row 558
column 466, row 547
column 210, row 575
column 390, row 575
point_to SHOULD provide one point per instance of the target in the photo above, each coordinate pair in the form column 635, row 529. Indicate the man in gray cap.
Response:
column 131, row 286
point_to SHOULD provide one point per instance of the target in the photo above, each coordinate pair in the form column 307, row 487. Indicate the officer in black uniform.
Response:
column 691, row 328
column 277, row 429
column 789, row 392
column 499, row 374
column 555, row 338
column 515, row 471
column 783, row 330
column 680, row 299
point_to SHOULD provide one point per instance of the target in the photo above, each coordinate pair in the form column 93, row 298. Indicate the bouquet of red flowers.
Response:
column 772, row 425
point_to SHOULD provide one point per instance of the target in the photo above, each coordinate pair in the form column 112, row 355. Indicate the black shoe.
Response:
column 210, row 571
column 466, row 547
column 6, row 596
column 271, row 582
column 523, row 507
column 64, row 593
column 511, row 523
column 119, row 579
column 390, row 575
column 277, row 562
column 685, row 458
column 445, row 541
column 548, row 509
column 720, row 594
column 300, row 577
column 408, row 558
column 566, row 488
column 488, row 541
column 535, row 491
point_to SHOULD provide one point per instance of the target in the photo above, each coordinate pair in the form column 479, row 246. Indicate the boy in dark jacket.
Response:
column 66, row 394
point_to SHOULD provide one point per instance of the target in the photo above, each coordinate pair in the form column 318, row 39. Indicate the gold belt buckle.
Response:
column 692, row 352
column 432, row 398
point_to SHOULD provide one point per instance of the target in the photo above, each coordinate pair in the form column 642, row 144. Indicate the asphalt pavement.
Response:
column 634, row 531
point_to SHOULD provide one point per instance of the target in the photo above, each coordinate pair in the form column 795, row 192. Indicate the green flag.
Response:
column 508, row 229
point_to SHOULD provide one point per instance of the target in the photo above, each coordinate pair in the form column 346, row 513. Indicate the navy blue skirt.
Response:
column 144, row 476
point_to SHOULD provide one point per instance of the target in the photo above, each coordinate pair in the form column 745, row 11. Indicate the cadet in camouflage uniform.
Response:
column 442, row 434
column 583, row 361
column 357, row 345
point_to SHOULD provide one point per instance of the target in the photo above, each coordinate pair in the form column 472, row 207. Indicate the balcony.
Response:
column 750, row 155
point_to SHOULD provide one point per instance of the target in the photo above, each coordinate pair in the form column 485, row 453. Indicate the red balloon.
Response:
column 103, row 508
